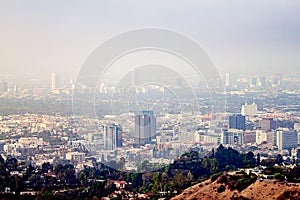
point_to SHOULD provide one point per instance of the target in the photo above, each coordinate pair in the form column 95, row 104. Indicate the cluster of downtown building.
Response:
column 266, row 132
column 269, row 124
column 255, row 127
column 160, row 137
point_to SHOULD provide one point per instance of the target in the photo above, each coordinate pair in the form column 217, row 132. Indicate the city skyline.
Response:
column 149, row 99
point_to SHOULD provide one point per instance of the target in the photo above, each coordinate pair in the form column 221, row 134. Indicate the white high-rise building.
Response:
column 227, row 80
column 249, row 109
column 55, row 82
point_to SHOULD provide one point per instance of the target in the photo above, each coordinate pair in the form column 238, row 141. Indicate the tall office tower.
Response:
column 227, row 80
column 145, row 127
column 267, row 124
column 249, row 110
column 3, row 86
column 55, row 81
column 135, row 78
column 286, row 139
column 132, row 80
column 237, row 122
column 112, row 137
column 232, row 137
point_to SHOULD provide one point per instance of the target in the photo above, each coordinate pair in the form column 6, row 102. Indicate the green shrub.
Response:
column 279, row 176
column 215, row 176
column 244, row 182
column 221, row 189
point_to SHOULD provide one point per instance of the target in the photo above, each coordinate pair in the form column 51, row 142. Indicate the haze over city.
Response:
column 149, row 100
column 38, row 38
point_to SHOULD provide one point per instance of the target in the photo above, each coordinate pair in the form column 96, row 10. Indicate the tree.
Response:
column 45, row 167
column 258, row 159
column 190, row 176
column 180, row 180
column 244, row 182
column 191, row 154
column 167, row 168
column 97, row 189
column 250, row 155
column 268, row 162
column 3, row 171
column 205, row 164
column 143, row 166
column 28, row 172
column 228, row 157
column 135, row 179
column 221, row 189
column 82, row 176
column 294, row 174
column 156, row 183
column 279, row 159
column 69, row 174
column 1, row 160
column 11, row 164
column 279, row 176
column 213, row 165
column 122, row 163
column 164, row 180
column 212, row 153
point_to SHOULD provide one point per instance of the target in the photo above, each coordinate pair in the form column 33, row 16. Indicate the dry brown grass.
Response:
column 258, row 191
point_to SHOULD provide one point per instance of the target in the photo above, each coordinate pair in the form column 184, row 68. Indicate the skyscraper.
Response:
column 227, row 80
column 286, row 139
column 237, row 122
column 145, row 127
column 112, row 137
column 3, row 86
column 132, row 81
column 55, row 81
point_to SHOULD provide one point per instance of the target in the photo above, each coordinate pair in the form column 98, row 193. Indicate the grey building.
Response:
column 286, row 139
column 112, row 137
column 145, row 127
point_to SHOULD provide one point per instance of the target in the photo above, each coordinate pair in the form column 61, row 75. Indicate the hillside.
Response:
column 258, row 190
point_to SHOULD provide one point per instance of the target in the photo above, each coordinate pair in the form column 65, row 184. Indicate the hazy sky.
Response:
column 57, row 36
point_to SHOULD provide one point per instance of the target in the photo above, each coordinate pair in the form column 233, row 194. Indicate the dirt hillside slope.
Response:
column 264, row 190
